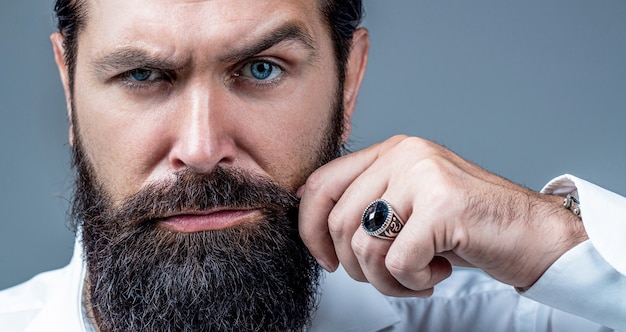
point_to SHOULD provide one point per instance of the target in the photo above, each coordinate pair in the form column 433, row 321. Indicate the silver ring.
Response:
column 380, row 221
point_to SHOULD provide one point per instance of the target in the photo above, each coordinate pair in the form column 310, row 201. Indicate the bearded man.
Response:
column 207, row 139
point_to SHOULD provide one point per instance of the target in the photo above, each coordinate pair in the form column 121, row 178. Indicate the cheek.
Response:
column 287, row 144
column 116, row 143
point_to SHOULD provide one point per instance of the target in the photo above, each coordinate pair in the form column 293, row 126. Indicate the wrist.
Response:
column 560, row 229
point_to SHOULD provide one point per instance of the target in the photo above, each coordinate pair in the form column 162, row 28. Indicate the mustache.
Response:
column 190, row 191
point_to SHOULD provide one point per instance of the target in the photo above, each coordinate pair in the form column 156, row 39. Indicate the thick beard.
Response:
column 257, row 276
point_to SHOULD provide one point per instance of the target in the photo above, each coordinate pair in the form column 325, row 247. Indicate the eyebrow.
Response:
column 287, row 32
column 131, row 57
column 128, row 58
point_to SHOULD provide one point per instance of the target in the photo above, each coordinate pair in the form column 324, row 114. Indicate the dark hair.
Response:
column 342, row 17
column 70, row 16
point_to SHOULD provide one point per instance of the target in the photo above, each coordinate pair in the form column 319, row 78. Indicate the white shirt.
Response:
column 588, row 280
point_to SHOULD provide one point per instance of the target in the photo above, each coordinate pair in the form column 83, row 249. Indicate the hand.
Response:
column 454, row 213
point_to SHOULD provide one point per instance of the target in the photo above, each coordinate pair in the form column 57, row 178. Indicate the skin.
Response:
column 455, row 212
column 209, row 115
column 202, row 108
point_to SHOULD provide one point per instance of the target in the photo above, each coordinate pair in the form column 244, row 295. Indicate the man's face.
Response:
column 162, row 86
column 193, row 124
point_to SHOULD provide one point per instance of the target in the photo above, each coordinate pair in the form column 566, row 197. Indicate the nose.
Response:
column 203, row 138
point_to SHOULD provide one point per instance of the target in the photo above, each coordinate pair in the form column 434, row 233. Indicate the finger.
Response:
column 321, row 192
column 348, row 211
column 374, row 254
column 437, row 270
column 371, row 253
column 345, row 218
column 412, row 258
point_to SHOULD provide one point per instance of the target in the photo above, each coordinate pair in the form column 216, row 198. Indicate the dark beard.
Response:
column 257, row 276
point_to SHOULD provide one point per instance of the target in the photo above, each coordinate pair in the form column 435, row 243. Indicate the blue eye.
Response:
column 261, row 70
column 143, row 75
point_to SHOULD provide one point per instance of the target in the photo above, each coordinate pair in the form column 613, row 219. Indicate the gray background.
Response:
column 527, row 89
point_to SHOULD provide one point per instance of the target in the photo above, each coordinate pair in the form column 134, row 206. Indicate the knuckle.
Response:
column 359, row 248
column 397, row 265
column 433, row 164
column 336, row 225
column 396, row 139
column 315, row 182
column 411, row 144
column 364, row 255
column 442, row 174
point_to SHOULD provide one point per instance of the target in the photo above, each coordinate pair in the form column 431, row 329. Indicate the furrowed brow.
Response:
column 291, row 32
column 128, row 58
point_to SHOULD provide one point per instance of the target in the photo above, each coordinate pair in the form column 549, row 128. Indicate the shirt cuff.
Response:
column 603, row 214
column 582, row 283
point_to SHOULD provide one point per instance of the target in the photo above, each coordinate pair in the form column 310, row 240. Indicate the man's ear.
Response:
column 59, row 57
column 355, row 70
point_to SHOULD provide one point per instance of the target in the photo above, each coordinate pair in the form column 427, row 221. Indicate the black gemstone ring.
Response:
column 380, row 221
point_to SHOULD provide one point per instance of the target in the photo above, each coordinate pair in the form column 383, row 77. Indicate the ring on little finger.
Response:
column 379, row 220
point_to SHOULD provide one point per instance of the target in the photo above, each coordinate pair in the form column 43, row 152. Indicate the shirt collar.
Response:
column 63, row 309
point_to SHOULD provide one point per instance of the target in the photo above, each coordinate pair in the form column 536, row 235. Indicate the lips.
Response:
column 198, row 221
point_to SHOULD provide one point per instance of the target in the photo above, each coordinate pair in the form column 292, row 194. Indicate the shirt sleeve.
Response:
column 590, row 279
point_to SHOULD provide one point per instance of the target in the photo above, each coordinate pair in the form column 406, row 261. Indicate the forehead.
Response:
column 180, row 24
